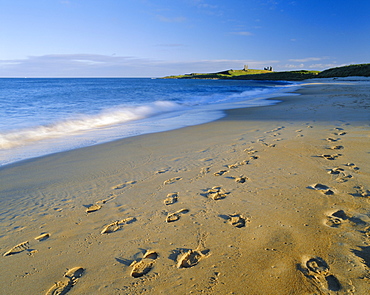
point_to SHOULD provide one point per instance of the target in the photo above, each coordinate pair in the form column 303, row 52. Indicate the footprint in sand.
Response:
column 336, row 170
column 42, row 237
column 171, row 198
column 26, row 246
column 176, row 215
column 70, row 279
column 238, row 220
column 93, row 208
column 323, row 188
column 367, row 232
column 117, row 225
column 191, row 258
column 172, row 180
column 341, row 175
column 205, row 170
column 344, row 177
column 162, row 171
column 241, row 179
column 352, row 166
column 268, row 144
column 250, row 151
column 236, row 165
column 254, row 157
column 221, row 172
column 361, row 191
column 330, row 157
column 216, row 193
column 330, row 139
column 276, row 129
column 145, row 265
column 340, row 133
column 123, row 185
column 17, row 249
column 339, row 217
column 98, row 205
column 318, row 272
column 108, row 199
column 336, row 219
column 233, row 166
column 337, row 147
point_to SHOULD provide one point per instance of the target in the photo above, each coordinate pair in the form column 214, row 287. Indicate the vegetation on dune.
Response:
column 346, row 71
column 219, row 75
column 288, row 76
column 251, row 74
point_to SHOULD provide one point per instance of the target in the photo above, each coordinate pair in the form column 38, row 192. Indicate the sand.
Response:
column 268, row 200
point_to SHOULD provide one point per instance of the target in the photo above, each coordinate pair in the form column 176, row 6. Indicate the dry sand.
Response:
column 268, row 200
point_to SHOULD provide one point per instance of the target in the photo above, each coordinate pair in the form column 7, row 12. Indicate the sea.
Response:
column 41, row 116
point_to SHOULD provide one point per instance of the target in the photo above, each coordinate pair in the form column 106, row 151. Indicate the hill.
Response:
column 250, row 74
column 346, row 71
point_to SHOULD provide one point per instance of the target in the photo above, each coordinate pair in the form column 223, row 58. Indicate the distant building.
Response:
column 245, row 68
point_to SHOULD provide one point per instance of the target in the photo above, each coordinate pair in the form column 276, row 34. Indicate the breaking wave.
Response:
column 84, row 123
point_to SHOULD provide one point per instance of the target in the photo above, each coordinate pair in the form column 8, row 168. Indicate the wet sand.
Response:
column 268, row 200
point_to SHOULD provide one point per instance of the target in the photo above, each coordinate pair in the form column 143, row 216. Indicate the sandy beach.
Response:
column 268, row 200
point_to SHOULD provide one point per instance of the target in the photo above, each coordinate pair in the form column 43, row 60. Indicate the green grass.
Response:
column 347, row 71
column 250, row 75
column 351, row 70
column 287, row 76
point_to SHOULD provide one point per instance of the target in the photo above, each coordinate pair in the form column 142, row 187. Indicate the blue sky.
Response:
column 152, row 38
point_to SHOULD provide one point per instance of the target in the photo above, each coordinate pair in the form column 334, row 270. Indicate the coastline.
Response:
column 58, row 131
column 286, row 220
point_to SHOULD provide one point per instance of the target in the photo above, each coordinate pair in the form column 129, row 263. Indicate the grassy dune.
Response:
column 351, row 70
column 346, row 71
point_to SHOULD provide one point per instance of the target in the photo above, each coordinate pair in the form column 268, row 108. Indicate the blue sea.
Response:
column 40, row 116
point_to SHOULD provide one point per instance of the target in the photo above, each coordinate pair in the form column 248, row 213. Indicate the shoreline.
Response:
column 27, row 143
column 249, row 194
column 171, row 120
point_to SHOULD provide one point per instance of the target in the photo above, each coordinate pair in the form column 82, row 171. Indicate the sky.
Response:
column 155, row 38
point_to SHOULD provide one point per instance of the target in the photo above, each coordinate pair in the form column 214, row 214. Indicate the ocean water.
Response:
column 43, row 116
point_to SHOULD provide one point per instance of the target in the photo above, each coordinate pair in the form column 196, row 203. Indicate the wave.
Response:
column 84, row 123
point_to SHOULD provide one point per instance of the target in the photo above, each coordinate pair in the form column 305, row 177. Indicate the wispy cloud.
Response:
column 325, row 66
column 308, row 59
column 171, row 45
column 203, row 4
column 292, row 66
column 178, row 19
column 245, row 33
column 206, row 8
column 307, row 64
column 92, row 65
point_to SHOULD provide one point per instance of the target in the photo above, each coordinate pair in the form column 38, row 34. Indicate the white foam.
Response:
column 122, row 122
column 84, row 123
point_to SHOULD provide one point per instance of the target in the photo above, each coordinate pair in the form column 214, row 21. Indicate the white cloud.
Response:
column 178, row 19
column 325, row 66
column 203, row 4
column 93, row 65
column 88, row 62
column 242, row 33
column 172, row 45
column 292, row 66
column 4, row 63
column 307, row 59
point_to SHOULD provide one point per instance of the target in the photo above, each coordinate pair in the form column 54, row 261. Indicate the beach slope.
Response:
column 268, row 200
